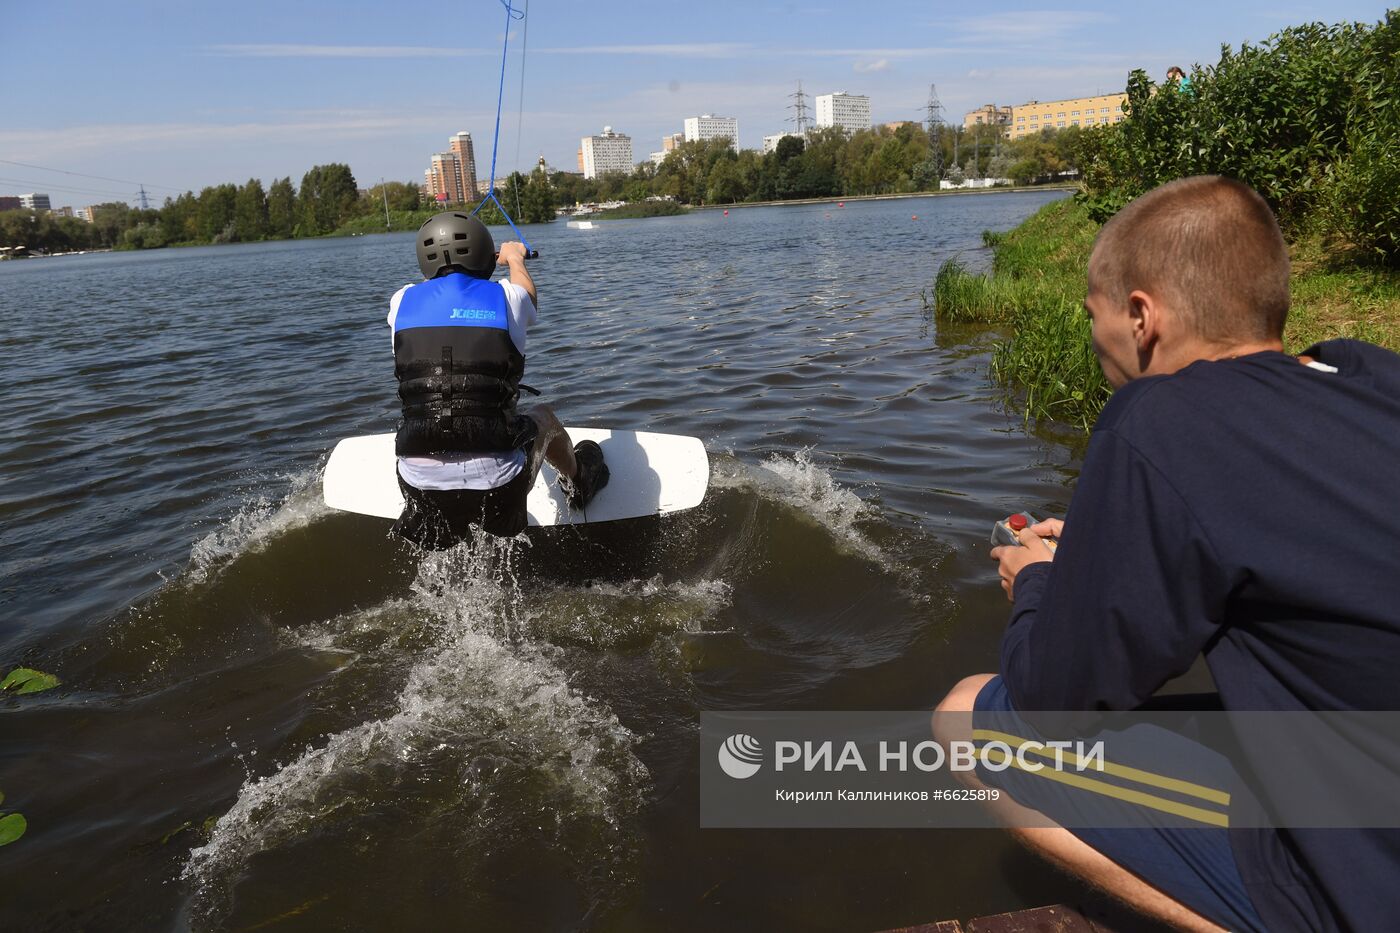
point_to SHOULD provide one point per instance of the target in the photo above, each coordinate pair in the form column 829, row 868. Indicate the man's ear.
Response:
column 1145, row 315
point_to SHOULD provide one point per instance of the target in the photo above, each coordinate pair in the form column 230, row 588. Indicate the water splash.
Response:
column 630, row 614
column 810, row 489
column 479, row 692
column 256, row 524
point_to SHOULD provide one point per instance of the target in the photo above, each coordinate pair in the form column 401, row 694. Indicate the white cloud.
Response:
column 682, row 50
column 922, row 52
column 1025, row 25
column 39, row 144
column 880, row 64
column 287, row 50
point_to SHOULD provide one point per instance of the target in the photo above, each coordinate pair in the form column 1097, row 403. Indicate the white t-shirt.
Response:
column 472, row 471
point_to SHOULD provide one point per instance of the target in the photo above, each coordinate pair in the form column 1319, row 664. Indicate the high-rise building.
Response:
column 672, row 141
column 9, row 202
column 606, row 152
column 35, row 202
column 1034, row 116
column 445, row 180
column 709, row 126
column 461, row 145
column 851, row 112
column 450, row 177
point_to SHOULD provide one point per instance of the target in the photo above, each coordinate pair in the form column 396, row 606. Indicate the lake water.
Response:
column 275, row 716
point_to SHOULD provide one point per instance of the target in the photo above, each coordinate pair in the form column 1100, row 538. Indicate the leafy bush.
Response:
column 1310, row 119
column 1363, row 203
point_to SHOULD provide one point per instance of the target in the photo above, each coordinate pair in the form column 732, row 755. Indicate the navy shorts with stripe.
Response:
column 1187, row 858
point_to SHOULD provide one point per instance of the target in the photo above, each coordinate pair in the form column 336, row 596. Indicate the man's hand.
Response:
column 1033, row 550
column 511, row 251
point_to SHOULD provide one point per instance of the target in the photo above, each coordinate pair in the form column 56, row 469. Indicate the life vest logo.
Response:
column 741, row 756
column 472, row 314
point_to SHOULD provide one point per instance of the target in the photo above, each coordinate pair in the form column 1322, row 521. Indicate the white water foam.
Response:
column 477, row 680
column 807, row 487
column 603, row 615
column 257, row 523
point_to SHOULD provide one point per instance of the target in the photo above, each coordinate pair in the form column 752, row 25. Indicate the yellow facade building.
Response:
column 1034, row 116
column 987, row 115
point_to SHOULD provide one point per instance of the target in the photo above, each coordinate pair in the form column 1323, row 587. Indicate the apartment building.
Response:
column 987, row 115
column 1034, row 116
column 450, row 177
column 606, row 152
column 709, row 126
column 770, row 143
column 851, row 112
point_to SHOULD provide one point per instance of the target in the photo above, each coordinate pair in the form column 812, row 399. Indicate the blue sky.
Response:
column 186, row 94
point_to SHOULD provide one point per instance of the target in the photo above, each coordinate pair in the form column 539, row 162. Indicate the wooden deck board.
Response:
column 1106, row 917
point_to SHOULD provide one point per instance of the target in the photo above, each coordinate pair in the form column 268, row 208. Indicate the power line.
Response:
column 61, row 171
column 67, row 189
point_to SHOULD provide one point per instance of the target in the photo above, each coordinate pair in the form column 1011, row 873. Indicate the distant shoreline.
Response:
column 835, row 199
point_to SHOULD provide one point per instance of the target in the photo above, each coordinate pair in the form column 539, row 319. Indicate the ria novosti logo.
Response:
column 740, row 756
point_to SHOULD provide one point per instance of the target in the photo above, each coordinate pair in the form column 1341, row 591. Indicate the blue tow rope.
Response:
column 511, row 13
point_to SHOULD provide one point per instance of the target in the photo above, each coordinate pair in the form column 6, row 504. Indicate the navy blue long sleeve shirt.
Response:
column 1248, row 510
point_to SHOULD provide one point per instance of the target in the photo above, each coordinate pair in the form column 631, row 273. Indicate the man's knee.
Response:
column 952, row 720
column 544, row 416
column 961, row 698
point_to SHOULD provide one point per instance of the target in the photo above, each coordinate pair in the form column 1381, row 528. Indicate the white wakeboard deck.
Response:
column 651, row 474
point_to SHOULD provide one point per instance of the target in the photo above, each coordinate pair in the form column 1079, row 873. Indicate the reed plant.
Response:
column 1036, row 289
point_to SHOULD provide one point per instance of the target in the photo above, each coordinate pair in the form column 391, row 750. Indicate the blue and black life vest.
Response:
column 458, row 370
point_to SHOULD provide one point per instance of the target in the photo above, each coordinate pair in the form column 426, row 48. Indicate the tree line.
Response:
column 832, row 162
column 327, row 199
column 824, row 163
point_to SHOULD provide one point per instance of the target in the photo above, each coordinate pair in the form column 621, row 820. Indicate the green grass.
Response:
column 1332, row 298
column 1036, row 288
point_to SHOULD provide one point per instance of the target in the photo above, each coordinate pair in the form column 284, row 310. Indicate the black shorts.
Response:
column 437, row 519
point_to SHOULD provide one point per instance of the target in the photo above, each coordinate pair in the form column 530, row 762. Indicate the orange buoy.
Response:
column 841, row 204
column 914, row 217
column 726, row 213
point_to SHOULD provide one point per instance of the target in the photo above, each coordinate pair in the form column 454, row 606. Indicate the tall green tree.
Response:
column 215, row 213
column 179, row 219
column 250, row 212
column 281, row 209
column 327, row 198
column 109, row 220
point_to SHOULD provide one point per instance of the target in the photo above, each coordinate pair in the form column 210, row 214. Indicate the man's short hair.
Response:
column 1210, row 248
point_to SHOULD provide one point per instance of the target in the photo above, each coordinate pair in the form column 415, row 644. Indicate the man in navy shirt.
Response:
column 1235, row 503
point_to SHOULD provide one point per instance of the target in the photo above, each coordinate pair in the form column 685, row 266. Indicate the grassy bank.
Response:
column 1036, row 287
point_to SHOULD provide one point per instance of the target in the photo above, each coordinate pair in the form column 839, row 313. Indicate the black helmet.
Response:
column 451, row 240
